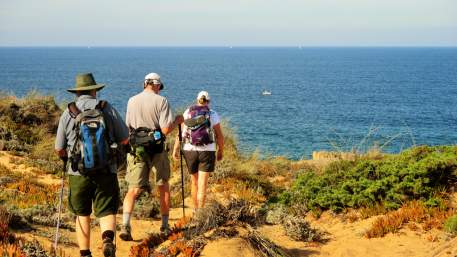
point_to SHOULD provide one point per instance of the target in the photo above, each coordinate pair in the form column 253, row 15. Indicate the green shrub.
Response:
column 451, row 225
column 418, row 173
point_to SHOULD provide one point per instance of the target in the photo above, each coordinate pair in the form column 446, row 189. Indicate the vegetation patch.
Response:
column 419, row 173
column 13, row 246
column 28, row 126
column 188, row 237
column 296, row 227
column 450, row 225
column 414, row 212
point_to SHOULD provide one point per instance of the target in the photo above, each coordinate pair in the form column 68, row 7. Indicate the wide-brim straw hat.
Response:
column 85, row 82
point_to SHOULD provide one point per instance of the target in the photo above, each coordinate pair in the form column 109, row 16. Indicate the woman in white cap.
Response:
column 203, row 145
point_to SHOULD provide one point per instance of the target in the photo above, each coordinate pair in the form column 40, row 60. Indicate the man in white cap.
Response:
column 150, row 119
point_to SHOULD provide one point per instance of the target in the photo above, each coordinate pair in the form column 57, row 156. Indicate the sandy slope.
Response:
column 9, row 161
column 345, row 239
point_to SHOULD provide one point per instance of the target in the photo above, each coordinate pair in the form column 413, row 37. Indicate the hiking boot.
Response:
column 109, row 249
column 126, row 234
column 165, row 231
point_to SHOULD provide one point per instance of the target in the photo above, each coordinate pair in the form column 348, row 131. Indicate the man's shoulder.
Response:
column 147, row 97
column 65, row 115
column 133, row 98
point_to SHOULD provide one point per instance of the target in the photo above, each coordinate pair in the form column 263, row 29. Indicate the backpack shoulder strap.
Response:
column 101, row 105
column 192, row 108
column 73, row 110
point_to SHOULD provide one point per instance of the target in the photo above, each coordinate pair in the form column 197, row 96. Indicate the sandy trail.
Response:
column 345, row 239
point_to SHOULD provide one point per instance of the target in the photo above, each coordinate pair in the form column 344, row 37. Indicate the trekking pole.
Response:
column 64, row 159
column 182, row 172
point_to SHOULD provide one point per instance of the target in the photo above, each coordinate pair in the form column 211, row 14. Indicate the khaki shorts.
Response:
column 138, row 172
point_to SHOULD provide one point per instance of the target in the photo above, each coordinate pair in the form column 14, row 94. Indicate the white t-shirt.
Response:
column 214, row 119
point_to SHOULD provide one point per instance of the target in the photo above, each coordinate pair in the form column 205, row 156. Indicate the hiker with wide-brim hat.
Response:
column 150, row 120
column 93, row 183
column 203, row 145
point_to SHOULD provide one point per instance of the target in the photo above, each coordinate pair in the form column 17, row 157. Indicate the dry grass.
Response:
column 26, row 193
column 413, row 212
column 263, row 246
column 27, row 127
column 353, row 215
column 178, row 245
column 190, row 236
column 232, row 188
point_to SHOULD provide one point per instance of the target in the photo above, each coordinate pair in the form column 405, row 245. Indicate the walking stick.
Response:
column 182, row 173
column 64, row 159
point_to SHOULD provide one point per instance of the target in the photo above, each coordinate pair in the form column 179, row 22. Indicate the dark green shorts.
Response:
column 100, row 190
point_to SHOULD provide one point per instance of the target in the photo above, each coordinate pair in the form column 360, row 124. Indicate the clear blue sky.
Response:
column 228, row 23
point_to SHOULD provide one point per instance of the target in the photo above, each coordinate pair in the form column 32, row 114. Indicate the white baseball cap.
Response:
column 203, row 94
column 154, row 78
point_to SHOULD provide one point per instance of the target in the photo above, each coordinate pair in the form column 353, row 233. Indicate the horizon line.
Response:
column 229, row 46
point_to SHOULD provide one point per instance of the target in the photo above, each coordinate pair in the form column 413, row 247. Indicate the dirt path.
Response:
column 345, row 239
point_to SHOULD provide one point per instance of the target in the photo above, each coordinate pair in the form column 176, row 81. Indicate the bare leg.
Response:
column 164, row 191
column 83, row 232
column 108, row 223
column 129, row 200
column 108, row 229
column 194, row 189
column 202, row 183
column 127, row 210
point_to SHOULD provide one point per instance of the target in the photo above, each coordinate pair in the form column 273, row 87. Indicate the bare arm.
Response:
column 167, row 130
column 219, row 141
column 176, row 147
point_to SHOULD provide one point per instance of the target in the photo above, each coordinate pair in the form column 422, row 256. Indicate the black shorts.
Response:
column 200, row 161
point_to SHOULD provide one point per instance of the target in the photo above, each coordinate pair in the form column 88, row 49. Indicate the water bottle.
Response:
column 157, row 135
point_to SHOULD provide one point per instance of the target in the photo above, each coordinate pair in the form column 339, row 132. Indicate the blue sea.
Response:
column 322, row 98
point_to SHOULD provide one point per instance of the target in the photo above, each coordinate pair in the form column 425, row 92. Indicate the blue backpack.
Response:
column 91, row 152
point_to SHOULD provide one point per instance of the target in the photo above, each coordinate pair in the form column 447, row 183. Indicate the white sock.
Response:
column 126, row 218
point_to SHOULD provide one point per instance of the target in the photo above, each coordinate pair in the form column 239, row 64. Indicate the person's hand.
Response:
column 175, row 154
column 219, row 155
column 62, row 153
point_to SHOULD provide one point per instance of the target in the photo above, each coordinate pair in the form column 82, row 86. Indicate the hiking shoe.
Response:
column 109, row 249
column 126, row 234
column 165, row 231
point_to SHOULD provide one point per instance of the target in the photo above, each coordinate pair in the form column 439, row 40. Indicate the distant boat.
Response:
column 266, row 92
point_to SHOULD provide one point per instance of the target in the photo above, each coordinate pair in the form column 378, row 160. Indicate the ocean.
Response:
column 321, row 98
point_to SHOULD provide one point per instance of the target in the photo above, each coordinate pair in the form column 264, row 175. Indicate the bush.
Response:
column 418, row 173
column 450, row 225
column 27, row 127
column 299, row 229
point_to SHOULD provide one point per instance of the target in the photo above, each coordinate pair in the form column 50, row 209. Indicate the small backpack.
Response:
column 199, row 131
column 91, row 152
